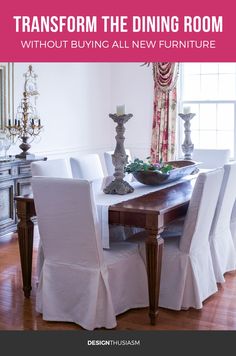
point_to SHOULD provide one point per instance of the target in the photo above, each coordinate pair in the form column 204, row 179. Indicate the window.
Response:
column 210, row 90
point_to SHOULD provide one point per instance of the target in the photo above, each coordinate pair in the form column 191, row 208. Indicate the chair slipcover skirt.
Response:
column 113, row 288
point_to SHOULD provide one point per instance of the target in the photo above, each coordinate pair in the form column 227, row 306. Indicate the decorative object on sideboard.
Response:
column 27, row 124
column 119, row 158
column 187, row 146
column 5, row 144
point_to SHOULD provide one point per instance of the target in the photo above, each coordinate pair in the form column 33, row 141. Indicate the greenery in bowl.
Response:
column 140, row 166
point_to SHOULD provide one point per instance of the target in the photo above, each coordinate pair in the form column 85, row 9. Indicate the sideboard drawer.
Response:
column 23, row 186
column 5, row 173
column 24, row 170
column 7, row 213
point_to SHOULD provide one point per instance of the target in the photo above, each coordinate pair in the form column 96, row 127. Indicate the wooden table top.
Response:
column 161, row 201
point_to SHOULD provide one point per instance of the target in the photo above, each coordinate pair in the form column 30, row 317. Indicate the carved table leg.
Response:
column 25, row 237
column 154, row 249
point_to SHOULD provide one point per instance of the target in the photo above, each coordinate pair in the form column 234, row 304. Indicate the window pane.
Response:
column 227, row 86
column 209, row 68
column 225, row 117
column 192, row 68
column 208, row 117
column 195, row 138
column 209, row 86
column 207, row 139
column 225, row 139
column 227, row 68
column 192, row 89
column 195, row 123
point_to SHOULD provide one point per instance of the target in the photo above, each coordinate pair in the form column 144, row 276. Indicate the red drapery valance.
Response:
column 164, row 114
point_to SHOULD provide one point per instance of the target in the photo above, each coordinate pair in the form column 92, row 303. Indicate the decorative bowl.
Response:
column 181, row 169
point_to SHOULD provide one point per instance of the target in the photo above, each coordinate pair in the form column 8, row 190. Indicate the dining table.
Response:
column 149, row 208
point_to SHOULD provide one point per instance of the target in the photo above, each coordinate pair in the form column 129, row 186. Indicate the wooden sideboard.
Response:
column 14, row 180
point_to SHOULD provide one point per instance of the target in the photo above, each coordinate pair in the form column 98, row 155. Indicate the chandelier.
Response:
column 27, row 124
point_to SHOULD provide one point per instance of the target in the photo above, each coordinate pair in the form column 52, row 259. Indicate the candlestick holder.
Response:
column 27, row 124
column 187, row 146
column 119, row 158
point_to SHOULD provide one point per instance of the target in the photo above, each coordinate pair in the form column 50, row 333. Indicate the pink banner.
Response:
column 128, row 31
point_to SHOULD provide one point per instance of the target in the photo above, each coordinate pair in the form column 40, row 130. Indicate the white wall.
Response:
column 132, row 85
column 75, row 100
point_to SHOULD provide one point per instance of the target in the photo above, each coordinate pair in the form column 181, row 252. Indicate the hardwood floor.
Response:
column 18, row 313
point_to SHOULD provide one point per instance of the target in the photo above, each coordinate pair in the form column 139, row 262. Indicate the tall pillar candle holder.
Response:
column 119, row 158
column 187, row 146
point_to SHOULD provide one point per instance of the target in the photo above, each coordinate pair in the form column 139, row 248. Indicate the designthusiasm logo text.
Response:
column 113, row 342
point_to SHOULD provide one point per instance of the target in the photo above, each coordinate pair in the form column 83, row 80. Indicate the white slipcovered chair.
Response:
column 79, row 281
column 109, row 165
column 221, row 241
column 211, row 158
column 51, row 168
column 233, row 224
column 187, row 275
column 87, row 167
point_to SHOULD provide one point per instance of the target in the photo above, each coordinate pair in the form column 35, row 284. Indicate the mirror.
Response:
column 6, row 93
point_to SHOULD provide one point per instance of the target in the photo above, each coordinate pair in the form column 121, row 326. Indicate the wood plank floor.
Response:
column 18, row 313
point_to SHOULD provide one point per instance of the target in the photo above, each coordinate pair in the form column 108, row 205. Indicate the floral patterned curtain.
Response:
column 164, row 116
